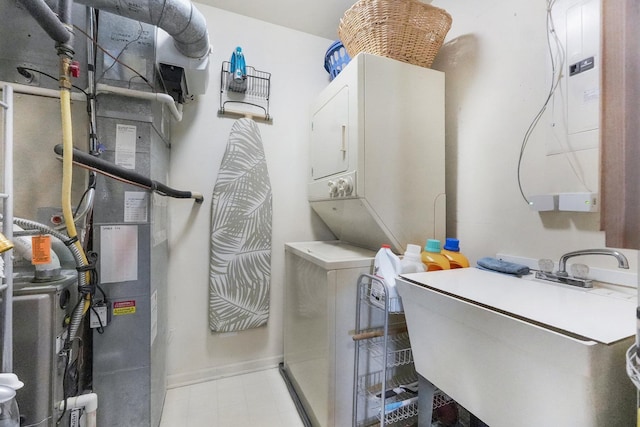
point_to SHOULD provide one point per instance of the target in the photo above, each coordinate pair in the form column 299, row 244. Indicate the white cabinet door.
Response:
column 330, row 136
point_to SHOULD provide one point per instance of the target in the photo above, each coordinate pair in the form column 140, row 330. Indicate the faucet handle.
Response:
column 579, row 271
column 545, row 265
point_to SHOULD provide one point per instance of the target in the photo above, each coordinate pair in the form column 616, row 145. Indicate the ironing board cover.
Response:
column 241, row 214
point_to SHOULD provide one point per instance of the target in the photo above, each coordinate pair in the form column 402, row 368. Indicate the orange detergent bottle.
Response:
column 451, row 250
column 432, row 258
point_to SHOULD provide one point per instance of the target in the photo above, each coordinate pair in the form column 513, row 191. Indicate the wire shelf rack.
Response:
column 371, row 385
column 399, row 352
column 251, row 94
column 377, row 297
column 633, row 367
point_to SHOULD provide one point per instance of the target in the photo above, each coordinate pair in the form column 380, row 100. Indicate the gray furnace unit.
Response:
column 129, row 358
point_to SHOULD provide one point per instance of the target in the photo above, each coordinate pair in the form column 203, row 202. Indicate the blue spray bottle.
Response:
column 238, row 67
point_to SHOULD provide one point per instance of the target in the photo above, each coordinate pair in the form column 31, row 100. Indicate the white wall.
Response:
column 296, row 62
column 497, row 78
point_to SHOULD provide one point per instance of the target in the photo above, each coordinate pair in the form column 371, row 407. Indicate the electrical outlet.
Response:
column 578, row 202
column 100, row 315
column 543, row 202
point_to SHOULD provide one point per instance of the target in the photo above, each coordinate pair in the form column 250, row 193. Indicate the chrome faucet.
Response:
column 562, row 264
column 561, row 276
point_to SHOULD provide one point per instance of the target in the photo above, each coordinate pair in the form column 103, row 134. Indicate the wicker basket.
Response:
column 406, row 30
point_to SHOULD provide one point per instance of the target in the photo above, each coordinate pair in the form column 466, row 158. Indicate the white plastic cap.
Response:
column 11, row 380
column 413, row 251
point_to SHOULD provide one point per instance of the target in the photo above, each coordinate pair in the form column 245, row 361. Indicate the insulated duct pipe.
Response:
column 117, row 172
column 179, row 18
column 47, row 20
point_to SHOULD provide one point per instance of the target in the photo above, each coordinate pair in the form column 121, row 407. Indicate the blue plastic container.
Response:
column 238, row 68
column 336, row 59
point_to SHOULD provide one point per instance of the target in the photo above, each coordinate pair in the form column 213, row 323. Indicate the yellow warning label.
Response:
column 124, row 307
column 124, row 310
column 41, row 247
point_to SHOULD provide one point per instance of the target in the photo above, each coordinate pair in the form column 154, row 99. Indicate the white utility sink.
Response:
column 518, row 352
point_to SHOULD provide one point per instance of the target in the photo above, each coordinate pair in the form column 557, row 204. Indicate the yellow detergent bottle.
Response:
column 452, row 251
column 432, row 258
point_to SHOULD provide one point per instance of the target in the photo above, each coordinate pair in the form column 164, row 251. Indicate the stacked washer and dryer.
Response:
column 377, row 176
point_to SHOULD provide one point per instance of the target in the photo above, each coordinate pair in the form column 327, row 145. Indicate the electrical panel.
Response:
column 583, row 84
column 576, row 104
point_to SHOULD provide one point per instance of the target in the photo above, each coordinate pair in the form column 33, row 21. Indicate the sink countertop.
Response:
column 601, row 314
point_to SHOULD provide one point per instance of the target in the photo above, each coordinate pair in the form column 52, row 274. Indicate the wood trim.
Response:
column 620, row 124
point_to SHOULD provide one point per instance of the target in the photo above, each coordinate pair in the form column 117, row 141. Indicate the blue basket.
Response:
column 336, row 59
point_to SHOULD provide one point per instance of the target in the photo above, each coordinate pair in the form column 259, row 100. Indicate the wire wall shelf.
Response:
column 249, row 96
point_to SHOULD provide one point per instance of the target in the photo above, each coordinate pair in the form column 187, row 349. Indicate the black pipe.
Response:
column 110, row 169
column 47, row 20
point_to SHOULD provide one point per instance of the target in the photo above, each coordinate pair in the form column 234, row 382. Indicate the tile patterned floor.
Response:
column 258, row 399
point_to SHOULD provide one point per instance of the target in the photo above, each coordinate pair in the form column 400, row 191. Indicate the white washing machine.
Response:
column 320, row 300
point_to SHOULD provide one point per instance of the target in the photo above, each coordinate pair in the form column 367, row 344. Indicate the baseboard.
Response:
column 217, row 372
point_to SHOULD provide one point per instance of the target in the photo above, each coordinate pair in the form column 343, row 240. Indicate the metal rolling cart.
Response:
column 385, row 381
column 633, row 371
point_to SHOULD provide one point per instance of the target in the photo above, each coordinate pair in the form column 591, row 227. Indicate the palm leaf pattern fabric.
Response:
column 241, row 213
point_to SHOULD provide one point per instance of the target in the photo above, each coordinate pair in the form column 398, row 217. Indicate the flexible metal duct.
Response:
column 179, row 18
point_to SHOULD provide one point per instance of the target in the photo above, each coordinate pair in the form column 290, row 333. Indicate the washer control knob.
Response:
column 345, row 186
column 333, row 189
